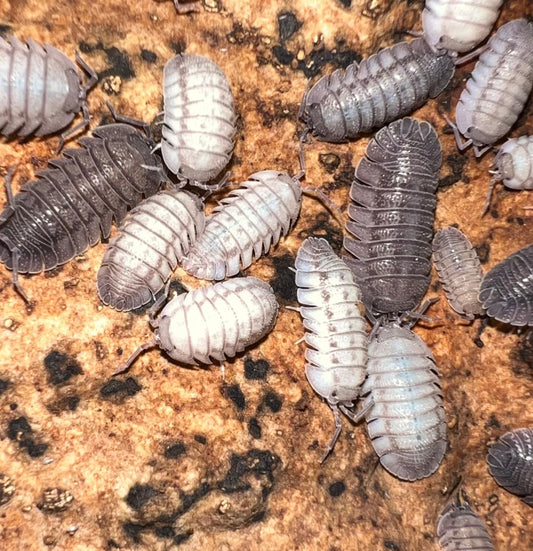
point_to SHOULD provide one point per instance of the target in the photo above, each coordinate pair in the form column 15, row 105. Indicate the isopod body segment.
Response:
column 199, row 119
column 510, row 462
column 388, row 85
column 245, row 225
column 459, row 270
column 406, row 422
column 336, row 339
column 149, row 244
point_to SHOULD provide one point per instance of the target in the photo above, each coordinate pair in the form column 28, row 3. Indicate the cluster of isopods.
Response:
column 389, row 236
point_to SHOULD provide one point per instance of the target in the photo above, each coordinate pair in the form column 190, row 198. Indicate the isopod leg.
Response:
column 186, row 7
column 157, row 305
column 327, row 202
column 16, row 284
column 489, row 195
column 125, row 366
column 301, row 157
column 128, row 120
column 93, row 76
column 338, row 427
column 84, row 123
column 458, row 139
column 356, row 417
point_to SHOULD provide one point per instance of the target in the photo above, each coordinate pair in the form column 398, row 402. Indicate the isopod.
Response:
column 460, row 528
column 245, row 225
column 507, row 289
column 213, row 322
column 40, row 90
column 404, row 405
column 151, row 241
column 459, row 270
column 386, row 86
column 335, row 335
column 458, row 27
column 199, row 119
column 72, row 203
column 497, row 91
column 511, row 463
column 395, row 185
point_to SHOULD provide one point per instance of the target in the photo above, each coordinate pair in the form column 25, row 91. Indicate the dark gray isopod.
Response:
column 507, row 290
column 40, row 89
column 511, row 463
column 386, row 86
column 72, row 203
column 395, row 187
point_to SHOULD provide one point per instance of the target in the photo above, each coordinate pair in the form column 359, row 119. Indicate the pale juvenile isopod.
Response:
column 403, row 399
column 459, row 271
column 507, row 289
column 40, row 89
column 511, row 463
column 199, row 119
column 214, row 322
column 460, row 528
column 458, row 27
column 245, row 225
column 395, row 187
column 335, row 335
column 497, row 91
column 386, row 86
column 150, row 243
column 72, row 204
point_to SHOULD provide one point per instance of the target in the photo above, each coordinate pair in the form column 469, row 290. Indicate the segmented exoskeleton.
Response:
column 336, row 337
column 386, row 86
column 153, row 238
column 507, row 289
column 395, row 187
column 511, row 463
column 459, row 270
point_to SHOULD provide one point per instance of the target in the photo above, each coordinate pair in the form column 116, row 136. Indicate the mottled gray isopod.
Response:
column 497, row 91
column 40, row 89
column 511, row 463
column 406, row 421
column 386, row 86
column 199, row 119
column 507, row 289
column 336, row 337
column 459, row 270
column 460, row 528
column 214, row 322
column 458, row 26
column 153, row 238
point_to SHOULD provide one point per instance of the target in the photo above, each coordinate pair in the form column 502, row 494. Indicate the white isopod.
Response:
column 336, row 337
column 199, row 119
column 458, row 26
column 153, row 238
column 214, row 322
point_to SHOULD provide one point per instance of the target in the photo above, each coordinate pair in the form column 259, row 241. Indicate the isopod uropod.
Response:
column 151, row 241
column 335, row 335
column 199, row 119
column 40, row 89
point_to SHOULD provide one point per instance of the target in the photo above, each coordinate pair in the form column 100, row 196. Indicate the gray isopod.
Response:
column 214, row 322
column 459, row 270
column 403, row 399
column 245, row 225
column 497, row 91
column 511, row 463
column 386, row 86
column 458, row 26
column 40, row 89
column 507, row 289
column 151, row 241
column 335, row 335
column 199, row 119
column 460, row 528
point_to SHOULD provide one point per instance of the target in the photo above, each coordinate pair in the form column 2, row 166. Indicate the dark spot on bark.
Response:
column 288, row 24
column 19, row 431
column 273, row 401
column 346, row 3
column 254, row 428
column 456, row 163
column 178, row 47
column 3, row 385
column 120, row 63
column 139, row 495
column 5, row 31
column 173, row 451
column 117, row 388
column 329, row 161
column 522, row 357
column 283, row 282
column 133, row 531
column 112, row 544
column 339, row 57
column 201, row 439
column 148, row 56
column 100, row 350
column 13, row 406
column 65, row 403
column 520, row 221
column 180, row 538
column 188, row 500
column 255, row 370
column 492, row 422
column 391, row 545
column 258, row 517
column 483, row 252
column 61, row 367
column 337, row 488
column 164, row 532
column 50, row 274
column 320, row 227
column 234, row 393
column 282, row 55
column 256, row 463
